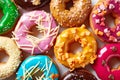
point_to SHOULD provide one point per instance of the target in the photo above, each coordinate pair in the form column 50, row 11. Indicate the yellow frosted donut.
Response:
column 11, row 49
column 79, row 59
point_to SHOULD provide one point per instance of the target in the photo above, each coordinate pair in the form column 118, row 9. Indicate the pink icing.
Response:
column 101, row 64
column 98, row 20
column 46, row 24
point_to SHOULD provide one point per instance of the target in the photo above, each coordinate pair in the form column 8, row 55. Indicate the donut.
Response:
column 102, row 63
column 45, row 25
column 78, row 74
column 10, row 15
column 73, row 17
column 98, row 24
column 80, row 58
column 37, row 68
column 31, row 4
column 8, row 46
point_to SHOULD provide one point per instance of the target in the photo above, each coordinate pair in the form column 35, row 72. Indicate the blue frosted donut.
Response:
column 37, row 68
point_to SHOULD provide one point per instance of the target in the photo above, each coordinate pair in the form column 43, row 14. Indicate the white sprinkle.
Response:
column 94, row 15
column 102, row 7
column 111, row 6
column 97, row 21
column 102, row 51
column 99, row 10
column 106, row 30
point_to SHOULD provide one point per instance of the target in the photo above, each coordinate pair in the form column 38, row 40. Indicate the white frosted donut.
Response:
column 11, row 49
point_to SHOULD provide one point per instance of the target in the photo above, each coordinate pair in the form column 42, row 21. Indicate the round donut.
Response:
column 45, row 25
column 31, row 4
column 38, row 68
column 79, row 59
column 10, row 15
column 73, row 17
column 10, row 48
column 97, row 20
column 101, row 65
column 78, row 74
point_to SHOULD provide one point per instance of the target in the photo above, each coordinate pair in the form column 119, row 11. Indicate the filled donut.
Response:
column 73, row 17
column 102, row 63
column 45, row 25
column 31, row 4
column 10, row 16
column 81, row 58
column 37, row 68
column 97, row 20
column 8, row 46
column 79, row 74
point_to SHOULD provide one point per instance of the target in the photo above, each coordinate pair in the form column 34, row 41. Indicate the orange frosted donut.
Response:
column 79, row 59
column 8, row 45
column 73, row 17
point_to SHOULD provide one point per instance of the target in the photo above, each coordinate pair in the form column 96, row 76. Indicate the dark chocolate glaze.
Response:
column 27, row 4
column 79, row 74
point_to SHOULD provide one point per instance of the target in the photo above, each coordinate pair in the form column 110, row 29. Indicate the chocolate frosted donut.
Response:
column 79, row 74
column 31, row 4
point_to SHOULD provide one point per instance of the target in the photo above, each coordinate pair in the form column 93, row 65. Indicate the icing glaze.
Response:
column 37, row 68
column 101, row 65
column 45, row 25
column 97, row 20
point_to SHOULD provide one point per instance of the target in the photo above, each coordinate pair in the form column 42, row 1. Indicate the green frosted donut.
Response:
column 10, row 15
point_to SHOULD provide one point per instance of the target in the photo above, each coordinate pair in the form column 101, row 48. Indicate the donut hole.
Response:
column 35, row 32
column 69, row 4
column 114, row 63
column 1, row 14
column 75, row 47
column 109, row 20
column 3, row 56
column 37, row 74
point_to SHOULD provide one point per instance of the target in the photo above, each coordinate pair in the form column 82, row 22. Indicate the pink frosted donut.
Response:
column 97, row 20
column 45, row 24
column 102, row 63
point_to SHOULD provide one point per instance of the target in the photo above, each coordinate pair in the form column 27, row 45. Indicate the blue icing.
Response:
column 36, row 63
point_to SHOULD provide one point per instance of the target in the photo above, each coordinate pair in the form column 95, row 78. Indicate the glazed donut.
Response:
column 78, row 74
column 45, row 25
column 73, row 17
column 37, row 68
column 10, row 15
column 31, row 4
column 97, row 20
column 79, row 59
column 101, row 65
column 8, row 46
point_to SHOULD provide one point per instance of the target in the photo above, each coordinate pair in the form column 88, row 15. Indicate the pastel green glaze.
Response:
column 10, row 15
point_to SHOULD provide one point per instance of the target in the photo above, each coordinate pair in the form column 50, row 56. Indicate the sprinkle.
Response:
column 102, row 51
column 96, row 31
column 102, row 24
column 94, row 15
column 97, row 21
column 113, row 48
column 111, row 77
column 102, row 7
column 118, row 33
column 100, row 33
column 111, row 6
column 106, row 30
column 99, row 10
column 103, row 62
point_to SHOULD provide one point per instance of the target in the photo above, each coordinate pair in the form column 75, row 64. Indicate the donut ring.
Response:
column 78, row 74
column 8, row 68
column 73, row 17
column 80, row 59
column 101, row 65
column 31, row 4
column 44, row 23
column 10, row 15
column 38, row 68
column 97, row 20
